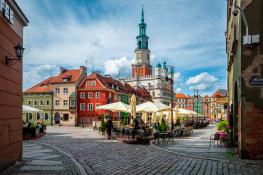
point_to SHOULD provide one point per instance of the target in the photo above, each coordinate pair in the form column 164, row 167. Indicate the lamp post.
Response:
column 196, row 95
column 172, row 94
column 52, row 93
column 19, row 54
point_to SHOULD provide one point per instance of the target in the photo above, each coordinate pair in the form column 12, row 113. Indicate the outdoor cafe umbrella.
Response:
column 151, row 107
column 116, row 107
column 30, row 109
column 133, row 107
column 144, row 117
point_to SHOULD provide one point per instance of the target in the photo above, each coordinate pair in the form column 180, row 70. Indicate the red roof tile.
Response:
column 44, row 86
column 41, row 87
column 180, row 95
column 72, row 76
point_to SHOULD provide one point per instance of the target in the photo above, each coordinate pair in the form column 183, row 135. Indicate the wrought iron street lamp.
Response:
column 172, row 94
column 19, row 54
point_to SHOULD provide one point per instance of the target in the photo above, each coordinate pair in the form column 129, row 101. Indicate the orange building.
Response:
column 12, row 22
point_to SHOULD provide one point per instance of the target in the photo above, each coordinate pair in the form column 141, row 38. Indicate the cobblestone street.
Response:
column 100, row 156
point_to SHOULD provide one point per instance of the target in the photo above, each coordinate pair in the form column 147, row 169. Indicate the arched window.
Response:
column 139, row 45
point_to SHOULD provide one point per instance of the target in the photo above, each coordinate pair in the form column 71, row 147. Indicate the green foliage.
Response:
column 177, row 123
column 162, row 127
column 223, row 126
column 102, row 124
column 124, row 120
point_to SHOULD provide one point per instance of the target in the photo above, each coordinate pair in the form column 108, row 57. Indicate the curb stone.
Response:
column 77, row 164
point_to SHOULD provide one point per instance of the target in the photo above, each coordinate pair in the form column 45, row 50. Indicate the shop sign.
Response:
column 7, row 11
column 256, row 81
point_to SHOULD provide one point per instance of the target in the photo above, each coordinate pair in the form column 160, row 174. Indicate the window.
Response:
column 65, row 117
column 29, row 103
column 57, row 102
column 93, row 83
column 65, row 102
column 90, row 107
column 65, row 90
column 97, row 105
column 109, row 95
column 46, row 116
column 47, row 102
column 30, row 116
column 41, row 103
column 57, row 90
column 65, row 80
column 72, row 102
column 38, row 116
column 97, row 95
column 35, row 103
column 90, row 95
column 82, row 106
column 82, row 95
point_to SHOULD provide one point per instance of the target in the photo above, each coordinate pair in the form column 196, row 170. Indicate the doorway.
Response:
column 57, row 118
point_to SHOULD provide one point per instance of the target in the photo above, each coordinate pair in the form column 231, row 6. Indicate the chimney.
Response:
column 83, row 70
column 62, row 70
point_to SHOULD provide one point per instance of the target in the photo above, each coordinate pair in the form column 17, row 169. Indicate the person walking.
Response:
column 109, row 126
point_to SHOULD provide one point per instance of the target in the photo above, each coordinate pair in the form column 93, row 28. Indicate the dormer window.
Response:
column 65, row 80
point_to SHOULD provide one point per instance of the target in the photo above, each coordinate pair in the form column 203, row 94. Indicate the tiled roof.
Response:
column 41, row 87
column 116, row 85
column 111, row 83
column 72, row 76
column 44, row 86
column 180, row 95
column 220, row 93
column 142, row 92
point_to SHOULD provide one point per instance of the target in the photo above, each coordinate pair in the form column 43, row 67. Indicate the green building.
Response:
column 40, row 97
column 198, row 104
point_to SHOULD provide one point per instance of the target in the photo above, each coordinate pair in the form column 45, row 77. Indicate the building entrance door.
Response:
column 57, row 118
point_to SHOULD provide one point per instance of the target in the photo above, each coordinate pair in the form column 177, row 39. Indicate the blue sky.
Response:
column 187, row 34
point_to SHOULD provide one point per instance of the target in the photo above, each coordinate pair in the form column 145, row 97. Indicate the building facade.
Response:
column 245, row 76
column 42, row 101
column 56, row 96
column 160, row 84
column 181, row 100
column 64, row 88
column 96, row 90
column 12, row 22
column 206, row 106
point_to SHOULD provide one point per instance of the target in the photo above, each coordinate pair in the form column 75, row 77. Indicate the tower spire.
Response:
column 142, row 20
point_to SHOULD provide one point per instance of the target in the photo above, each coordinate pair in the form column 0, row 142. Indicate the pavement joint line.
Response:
column 78, row 165
column 204, row 158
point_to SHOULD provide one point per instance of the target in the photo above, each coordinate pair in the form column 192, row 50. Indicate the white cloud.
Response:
column 34, row 74
column 178, row 90
column 177, row 76
column 201, row 78
column 202, row 81
column 118, row 66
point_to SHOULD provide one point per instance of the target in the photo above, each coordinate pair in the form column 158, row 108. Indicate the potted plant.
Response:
column 33, row 130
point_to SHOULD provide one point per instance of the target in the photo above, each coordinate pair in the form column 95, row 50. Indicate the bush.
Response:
column 177, row 123
column 102, row 125
column 162, row 127
column 223, row 125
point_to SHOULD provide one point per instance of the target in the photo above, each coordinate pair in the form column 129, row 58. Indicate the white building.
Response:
column 160, row 84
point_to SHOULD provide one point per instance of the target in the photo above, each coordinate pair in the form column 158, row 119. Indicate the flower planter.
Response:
column 33, row 132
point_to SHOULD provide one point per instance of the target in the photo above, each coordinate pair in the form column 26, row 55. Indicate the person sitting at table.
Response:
column 135, row 128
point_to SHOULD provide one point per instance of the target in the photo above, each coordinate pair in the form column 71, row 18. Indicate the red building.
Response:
column 189, row 103
column 12, row 23
column 185, row 102
column 96, row 90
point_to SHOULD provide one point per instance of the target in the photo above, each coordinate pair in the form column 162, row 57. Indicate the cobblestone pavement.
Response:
column 43, row 159
column 100, row 156
column 198, row 144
